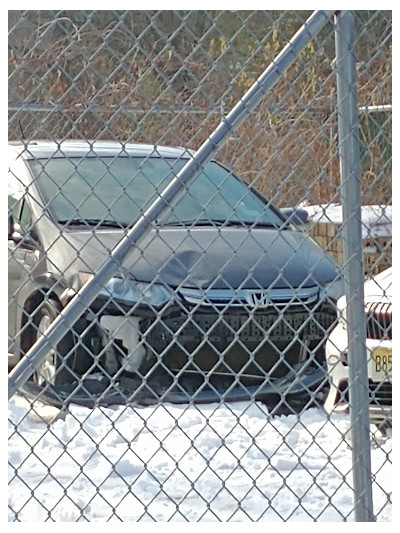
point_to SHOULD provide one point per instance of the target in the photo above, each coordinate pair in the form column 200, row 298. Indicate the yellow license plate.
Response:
column 381, row 364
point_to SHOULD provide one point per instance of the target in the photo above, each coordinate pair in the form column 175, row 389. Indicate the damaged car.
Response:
column 222, row 299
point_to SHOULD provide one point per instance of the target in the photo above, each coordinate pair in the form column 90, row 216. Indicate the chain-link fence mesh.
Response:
column 178, row 342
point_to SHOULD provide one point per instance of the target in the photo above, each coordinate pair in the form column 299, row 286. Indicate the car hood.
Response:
column 205, row 257
column 379, row 288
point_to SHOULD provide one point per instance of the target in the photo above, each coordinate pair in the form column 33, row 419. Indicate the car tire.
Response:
column 55, row 367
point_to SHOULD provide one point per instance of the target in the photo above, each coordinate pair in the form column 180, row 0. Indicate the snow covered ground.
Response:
column 228, row 462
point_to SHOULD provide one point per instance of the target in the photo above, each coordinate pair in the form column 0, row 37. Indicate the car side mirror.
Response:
column 16, row 235
column 295, row 215
column 14, row 230
column 10, row 224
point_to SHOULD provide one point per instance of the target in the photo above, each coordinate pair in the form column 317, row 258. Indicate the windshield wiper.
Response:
column 197, row 222
column 218, row 222
column 93, row 222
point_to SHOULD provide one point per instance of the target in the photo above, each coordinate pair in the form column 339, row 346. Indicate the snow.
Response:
column 216, row 462
column 376, row 219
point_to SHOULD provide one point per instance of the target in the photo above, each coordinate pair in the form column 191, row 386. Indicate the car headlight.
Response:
column 129, row 291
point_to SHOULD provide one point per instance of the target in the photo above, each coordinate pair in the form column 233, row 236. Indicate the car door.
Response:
column 22, row 258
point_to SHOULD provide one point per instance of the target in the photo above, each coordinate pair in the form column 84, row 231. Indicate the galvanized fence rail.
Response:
column 168, row 316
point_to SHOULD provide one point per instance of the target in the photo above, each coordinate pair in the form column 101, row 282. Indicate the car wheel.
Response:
column 54, row 368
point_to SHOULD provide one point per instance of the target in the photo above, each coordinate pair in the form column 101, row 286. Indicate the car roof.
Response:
column 77, row 148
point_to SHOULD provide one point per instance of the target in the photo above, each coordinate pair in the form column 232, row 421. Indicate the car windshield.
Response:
column 119, row 189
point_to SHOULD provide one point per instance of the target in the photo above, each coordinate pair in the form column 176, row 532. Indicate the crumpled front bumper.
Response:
column 304, row 387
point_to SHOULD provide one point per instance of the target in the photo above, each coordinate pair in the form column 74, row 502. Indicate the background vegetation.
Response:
column 169, row 77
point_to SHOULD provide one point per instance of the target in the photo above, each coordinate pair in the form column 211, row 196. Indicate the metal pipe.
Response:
column 188, row 173
column 353, row 268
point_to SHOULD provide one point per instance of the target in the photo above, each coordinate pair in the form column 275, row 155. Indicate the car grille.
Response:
column 236, row 341
column 380, row 393
column 225, row 327
column 379, row 321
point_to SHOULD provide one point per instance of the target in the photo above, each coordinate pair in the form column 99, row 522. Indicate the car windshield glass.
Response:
column 122, row 188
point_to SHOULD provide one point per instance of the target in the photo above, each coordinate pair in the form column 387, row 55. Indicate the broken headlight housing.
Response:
column 129, row 291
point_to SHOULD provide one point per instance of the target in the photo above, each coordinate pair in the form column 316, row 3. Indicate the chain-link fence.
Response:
column 200, row 266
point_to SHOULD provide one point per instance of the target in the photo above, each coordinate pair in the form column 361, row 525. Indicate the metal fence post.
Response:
column 353, row 263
